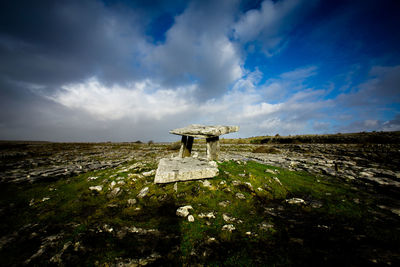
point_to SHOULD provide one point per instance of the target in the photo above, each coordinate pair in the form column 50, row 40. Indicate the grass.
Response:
column 268, row 230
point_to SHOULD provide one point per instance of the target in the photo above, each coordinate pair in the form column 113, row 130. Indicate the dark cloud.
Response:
column 197, row 50
column 56, row 42
column 372, row 125
column 382, row 88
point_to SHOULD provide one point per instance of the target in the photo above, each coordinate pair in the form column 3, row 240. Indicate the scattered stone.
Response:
column 240, row 196
column 176, row 187
column 206, row 183
column 209, row 215
column 222, row 182
column 114, row 192
column 236, row 182
column 92, row 178
column 393, row 210
column 224, row 203
column 190, row 218
column 228, row 227
column 57, row 258
column 227, row 218
column 242, row 174
column 211, row 240
column 270, row 171
column 248, row 233
column 295, row 201
column 45, row 199
column 132, row 201
column 265, row 226
column 113, row 183
column 97, row 188
column 149, row 173
column 277, row 180
column 143, row 192
column 183, row 211
column 249, row 186
column 316, row 204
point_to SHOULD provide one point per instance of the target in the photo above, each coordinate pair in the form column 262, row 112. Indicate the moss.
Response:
column 80, row 213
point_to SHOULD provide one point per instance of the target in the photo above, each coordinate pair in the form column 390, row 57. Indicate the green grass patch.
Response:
column 249, row 196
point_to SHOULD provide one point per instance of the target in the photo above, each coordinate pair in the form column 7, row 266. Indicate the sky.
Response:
column 94, row 71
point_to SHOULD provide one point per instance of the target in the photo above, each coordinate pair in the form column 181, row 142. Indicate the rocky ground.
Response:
column 276, row 204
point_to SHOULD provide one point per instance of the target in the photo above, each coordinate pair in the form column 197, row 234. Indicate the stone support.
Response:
column 186, row 146
column 212, row 148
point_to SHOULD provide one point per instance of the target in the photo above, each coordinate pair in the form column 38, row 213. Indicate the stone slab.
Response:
column 202, row 131
column 184, row 169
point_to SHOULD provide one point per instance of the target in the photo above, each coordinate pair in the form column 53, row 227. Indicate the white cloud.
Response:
column 300, row 73
column 147, row 101
column 138, row 100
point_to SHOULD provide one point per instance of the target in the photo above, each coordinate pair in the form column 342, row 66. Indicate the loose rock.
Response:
column 183, row 211
column 240, row 196
column 295, row 201
column 97, row 188
column 143, row 192
column 228, row 227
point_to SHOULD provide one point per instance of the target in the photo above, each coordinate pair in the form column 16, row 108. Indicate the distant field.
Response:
column 345, row 138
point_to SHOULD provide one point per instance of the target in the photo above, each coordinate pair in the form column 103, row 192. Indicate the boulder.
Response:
column 184, row 169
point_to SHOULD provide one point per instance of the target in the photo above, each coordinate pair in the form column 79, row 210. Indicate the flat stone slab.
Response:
column 184, row 169
column 202, row 131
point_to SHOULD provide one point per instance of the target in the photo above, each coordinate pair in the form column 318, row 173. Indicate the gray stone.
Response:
column 186, row 146
column 202, row 131
column 240, row 196
column 143, row 192
column 97, row 188
column 295, row 201
column 213, row 148
column 149, row 173
column 131, row 201
column 183, row 211
column 265, row 226
column 209, row 215
column 228, row 227
column 183, row 169
column 227, row 218
column 115, row 192
column 224, row 203
column 206, row 183
column 190, row 218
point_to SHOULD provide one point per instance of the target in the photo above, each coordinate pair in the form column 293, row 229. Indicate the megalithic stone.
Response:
column 186, row 146
column 212, row 148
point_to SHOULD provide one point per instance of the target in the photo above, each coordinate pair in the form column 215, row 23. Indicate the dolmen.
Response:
column 184, row 167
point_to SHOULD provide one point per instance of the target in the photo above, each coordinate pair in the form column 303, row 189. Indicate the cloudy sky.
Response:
column 124, row 70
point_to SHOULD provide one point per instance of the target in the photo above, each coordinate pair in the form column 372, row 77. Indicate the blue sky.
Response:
column 133, row 70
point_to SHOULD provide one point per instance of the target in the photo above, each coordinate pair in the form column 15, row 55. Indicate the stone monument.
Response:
column 184, row 167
